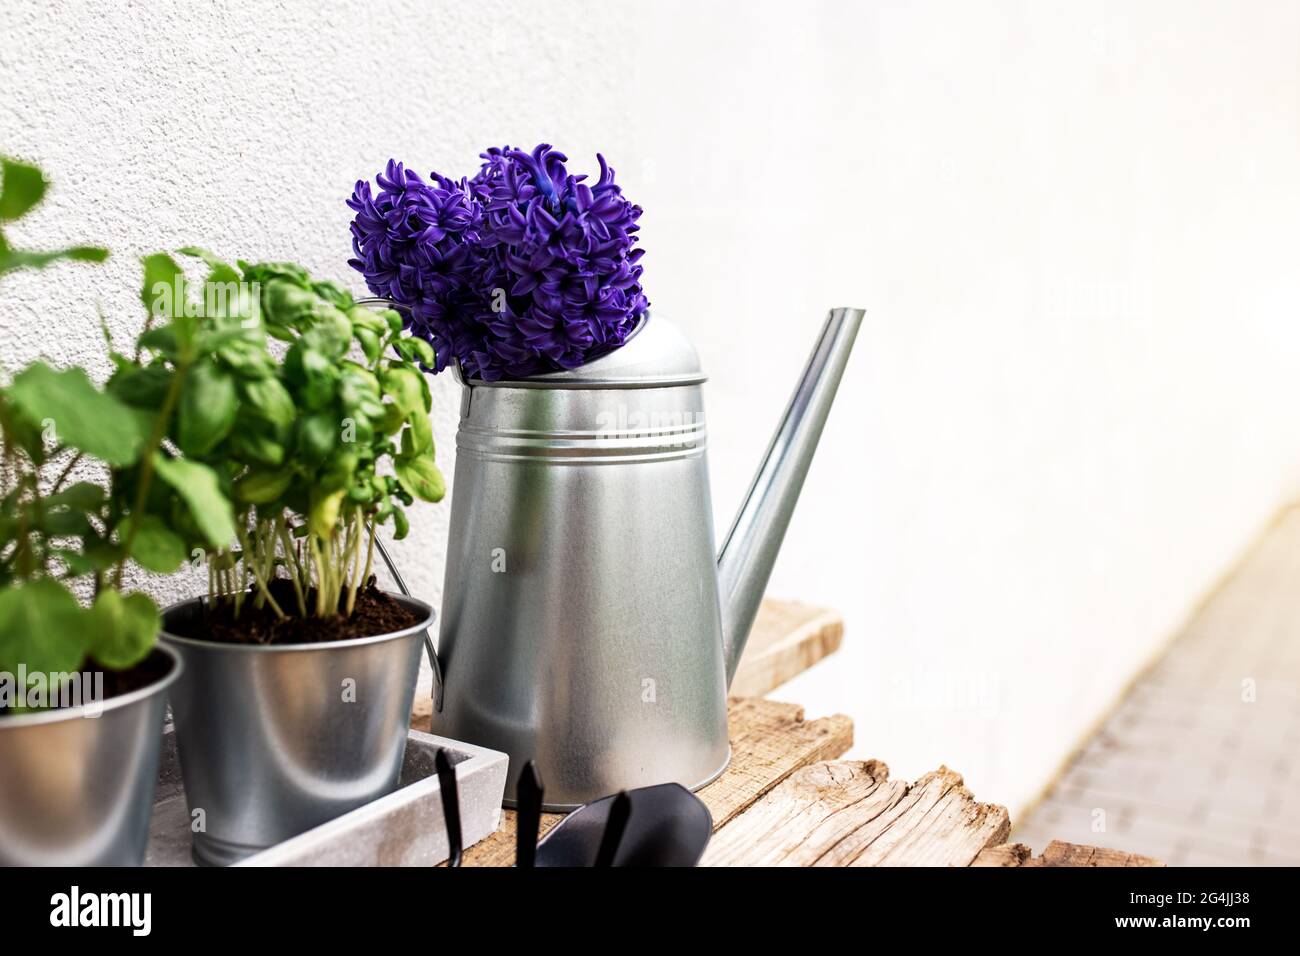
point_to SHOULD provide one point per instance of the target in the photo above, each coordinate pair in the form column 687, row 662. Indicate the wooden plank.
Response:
column 1060, row 853
column 851, row 814
column 769, row 742
column 782, row 802
column 499, row 848
column 1005, row 855
column 786, row 640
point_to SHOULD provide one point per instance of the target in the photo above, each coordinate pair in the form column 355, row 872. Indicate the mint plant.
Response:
column 55, row 531
column 22, row 187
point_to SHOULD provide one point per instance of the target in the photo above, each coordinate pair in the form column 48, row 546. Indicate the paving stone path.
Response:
column 1200, row 763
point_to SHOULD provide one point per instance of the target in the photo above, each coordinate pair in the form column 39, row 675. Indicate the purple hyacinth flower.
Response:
column 521, row 270
column 414, row 242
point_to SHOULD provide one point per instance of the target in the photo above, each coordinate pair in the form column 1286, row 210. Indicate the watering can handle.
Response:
column 379, row 300
column 428, row 641
column 392, row 568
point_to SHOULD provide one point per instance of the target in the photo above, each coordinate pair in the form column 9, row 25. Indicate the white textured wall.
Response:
column 1074, row 227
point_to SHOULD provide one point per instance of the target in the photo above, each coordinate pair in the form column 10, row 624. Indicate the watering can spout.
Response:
column 749, row 551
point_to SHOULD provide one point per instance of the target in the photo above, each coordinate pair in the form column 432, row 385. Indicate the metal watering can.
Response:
column 588, row 624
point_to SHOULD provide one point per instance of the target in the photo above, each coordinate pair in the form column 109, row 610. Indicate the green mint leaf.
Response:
column 70, row 409
column 41, row 627
column 123, row 628
column 22, row 187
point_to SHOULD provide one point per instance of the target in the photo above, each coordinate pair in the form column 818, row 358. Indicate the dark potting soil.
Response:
column 374, row 613
column 116, row 683
column 152, row 668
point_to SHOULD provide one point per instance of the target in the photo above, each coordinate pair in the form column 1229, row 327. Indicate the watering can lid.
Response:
column 655, row 355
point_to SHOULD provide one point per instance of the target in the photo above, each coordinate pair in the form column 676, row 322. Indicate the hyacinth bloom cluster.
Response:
column 521, row 270
column 413, row 242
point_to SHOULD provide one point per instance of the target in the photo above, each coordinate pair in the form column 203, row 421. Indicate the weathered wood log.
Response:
column 1005, row 855
column 851, row 814
column 781, row 803
column 1060, row 853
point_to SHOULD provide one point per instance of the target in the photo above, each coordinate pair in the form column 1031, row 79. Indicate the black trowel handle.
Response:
column 450, row 805
column 528, row 815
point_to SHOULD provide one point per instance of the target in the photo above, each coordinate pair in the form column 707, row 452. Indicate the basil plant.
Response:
column 317, row 440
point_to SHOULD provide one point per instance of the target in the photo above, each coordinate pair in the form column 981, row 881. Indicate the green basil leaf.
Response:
column 330, row 332
column 220, row 337
column 414, row 349
column 420, row 477
column 161, row 339
column 403, row 384
column 312, row 375
column 26, row 434
column 393, row 419
column 263, row 487
column 163, row 291
column 333, row 293
column 256, row 446
column 207, row 408
column 369, row 343
column 421, row 432
column 318, row 436
column 338, row 471
column 270, row 399
column 142, row 387
column 401, row 525
column 197, row 485
column 285, row 302
column 364, row 317
column 323, row 514
column 248, row 358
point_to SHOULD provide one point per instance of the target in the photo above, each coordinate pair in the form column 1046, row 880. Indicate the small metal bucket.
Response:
column 275, row 740
column 77, row 789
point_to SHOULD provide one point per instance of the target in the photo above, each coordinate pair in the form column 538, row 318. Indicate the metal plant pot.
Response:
column 78, row 789
column 275, row 740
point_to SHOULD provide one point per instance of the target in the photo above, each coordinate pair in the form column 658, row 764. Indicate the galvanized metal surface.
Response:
column 403, row 828
column 76, row 790
column 656, row 354
column 750, row 549
column 278, row 739
column 583, row 621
